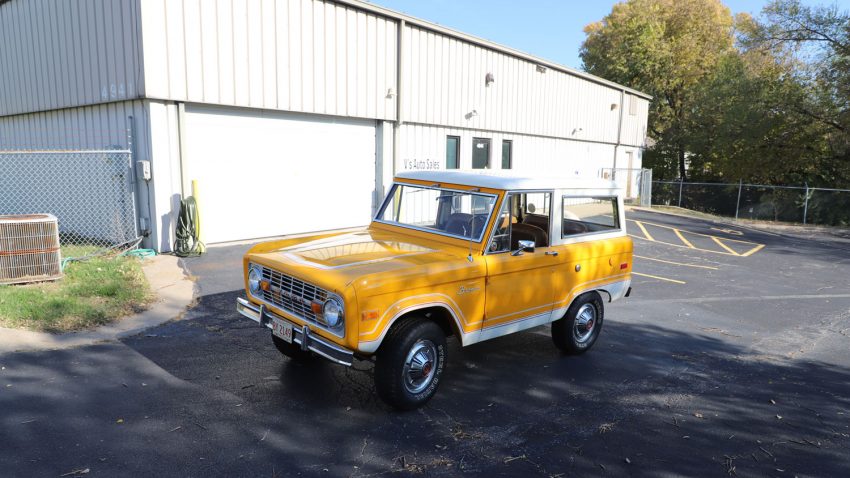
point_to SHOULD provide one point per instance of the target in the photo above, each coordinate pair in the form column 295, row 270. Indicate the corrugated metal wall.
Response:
column 57, row 54
column 424, row 147
column 444, row 82
column 635, row 111
column 102, row 126
column 298, row 55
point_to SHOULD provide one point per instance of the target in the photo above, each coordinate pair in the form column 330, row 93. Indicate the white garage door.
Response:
column 265, row 174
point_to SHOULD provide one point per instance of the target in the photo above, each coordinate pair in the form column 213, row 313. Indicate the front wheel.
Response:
column 410, row 362
column 578, row 330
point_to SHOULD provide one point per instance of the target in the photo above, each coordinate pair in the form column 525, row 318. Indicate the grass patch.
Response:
column 92, row 293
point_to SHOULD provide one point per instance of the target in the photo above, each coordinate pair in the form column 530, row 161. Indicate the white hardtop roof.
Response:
column 507, row 180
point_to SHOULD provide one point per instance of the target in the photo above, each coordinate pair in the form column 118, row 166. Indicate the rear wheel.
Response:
column 410, row 362
column 578, row 330
column 291, row 350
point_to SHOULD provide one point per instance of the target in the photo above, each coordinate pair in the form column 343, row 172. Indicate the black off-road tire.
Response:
column 566, row 332
column 291, row 350
column 392, row 382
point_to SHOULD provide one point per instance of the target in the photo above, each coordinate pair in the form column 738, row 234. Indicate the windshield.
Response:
column 453, row 213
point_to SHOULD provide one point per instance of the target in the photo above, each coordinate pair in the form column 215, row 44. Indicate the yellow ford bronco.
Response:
column 449, row 253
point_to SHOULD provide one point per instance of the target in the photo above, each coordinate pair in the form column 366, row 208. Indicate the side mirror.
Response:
column 524, row 246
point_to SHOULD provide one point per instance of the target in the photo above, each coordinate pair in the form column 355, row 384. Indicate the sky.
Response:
column 550, row 29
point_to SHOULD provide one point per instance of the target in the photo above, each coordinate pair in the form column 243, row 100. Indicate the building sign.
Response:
column 427, row 164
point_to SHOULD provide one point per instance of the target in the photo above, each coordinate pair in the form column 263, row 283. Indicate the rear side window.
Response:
column 582, row 215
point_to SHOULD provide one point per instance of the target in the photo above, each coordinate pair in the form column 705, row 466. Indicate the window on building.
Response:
column 633, row 104
column 480, row 153
column 452, row 152
column 584, row 215
column 507, row 149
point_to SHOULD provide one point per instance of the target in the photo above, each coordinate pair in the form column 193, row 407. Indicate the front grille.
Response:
column 293, row 295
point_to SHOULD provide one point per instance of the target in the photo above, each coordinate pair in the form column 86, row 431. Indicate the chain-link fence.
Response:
column 90, row 192
column 805, row 205
column 636, row 183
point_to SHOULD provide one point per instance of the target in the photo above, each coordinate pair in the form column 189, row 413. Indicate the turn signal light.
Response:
column 370, row 315
column 264, row 285
column 624, row 265
column 316, row 307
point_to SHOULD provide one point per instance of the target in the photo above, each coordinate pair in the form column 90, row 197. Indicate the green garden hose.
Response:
column 188, row 230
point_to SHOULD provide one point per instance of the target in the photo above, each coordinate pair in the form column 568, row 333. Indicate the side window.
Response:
column 589, row 214
column 480, row 153
column 524, row 216
column 507, row 154
column 452, row 152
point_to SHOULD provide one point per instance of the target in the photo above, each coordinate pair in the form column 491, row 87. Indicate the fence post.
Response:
column 738, row 205
column 681, row 180
column 806, row 204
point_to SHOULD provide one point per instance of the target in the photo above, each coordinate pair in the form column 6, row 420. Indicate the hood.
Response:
column 367, row 257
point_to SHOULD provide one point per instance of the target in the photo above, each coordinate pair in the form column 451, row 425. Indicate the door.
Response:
column 265, row 173
column 519, row 288
column 480, row 153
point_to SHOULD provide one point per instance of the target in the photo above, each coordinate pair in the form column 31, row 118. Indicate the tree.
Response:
column 665, row 48
column 818, row 38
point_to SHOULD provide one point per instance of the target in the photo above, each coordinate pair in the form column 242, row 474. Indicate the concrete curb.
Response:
column 175, row 293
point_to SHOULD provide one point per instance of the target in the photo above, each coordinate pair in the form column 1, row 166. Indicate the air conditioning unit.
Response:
column 29, row 249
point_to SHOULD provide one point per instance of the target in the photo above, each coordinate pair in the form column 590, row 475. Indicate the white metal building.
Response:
column 274, row 104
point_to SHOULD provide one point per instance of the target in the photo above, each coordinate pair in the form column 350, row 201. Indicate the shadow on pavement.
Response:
column 211, row 396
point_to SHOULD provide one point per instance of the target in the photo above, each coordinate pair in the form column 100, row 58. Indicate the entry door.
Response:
column 519, row 287
column 480, row 153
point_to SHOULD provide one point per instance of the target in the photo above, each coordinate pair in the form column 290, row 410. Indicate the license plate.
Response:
column 282, row 330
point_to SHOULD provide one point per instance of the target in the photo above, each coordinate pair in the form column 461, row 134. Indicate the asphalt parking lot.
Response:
column 731, row 357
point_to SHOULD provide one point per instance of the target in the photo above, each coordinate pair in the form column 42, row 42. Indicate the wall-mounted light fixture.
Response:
column 576, row 130
column 489, row 79
column 613, row 106
column 390, row 93
column 471, row 114
column 541, row 69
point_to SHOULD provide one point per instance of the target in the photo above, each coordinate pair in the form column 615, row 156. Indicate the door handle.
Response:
column 551, row 253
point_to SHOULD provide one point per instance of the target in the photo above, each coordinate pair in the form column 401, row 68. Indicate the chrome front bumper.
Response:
column 301, row 335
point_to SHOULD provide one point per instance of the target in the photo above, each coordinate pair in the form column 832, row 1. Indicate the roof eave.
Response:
column 386, row 12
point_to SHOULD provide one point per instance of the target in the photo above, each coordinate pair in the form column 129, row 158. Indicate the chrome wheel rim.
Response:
column 420, row 366
column 585, row 323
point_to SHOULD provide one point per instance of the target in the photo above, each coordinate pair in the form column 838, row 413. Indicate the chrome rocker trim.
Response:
column 300, row 334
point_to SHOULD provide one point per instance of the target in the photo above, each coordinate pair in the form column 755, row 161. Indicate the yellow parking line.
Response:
column 693, row 233
column 684, row 247
column 688, row 245
column 645, row 232
column 676, row 263
column 753, row 250
column 682, row 238
column 675, row 281
column 724, row 246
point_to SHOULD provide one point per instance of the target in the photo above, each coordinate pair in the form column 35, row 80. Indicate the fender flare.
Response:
column 372, row 345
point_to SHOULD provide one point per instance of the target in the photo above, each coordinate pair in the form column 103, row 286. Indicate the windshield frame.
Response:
column 471, row 191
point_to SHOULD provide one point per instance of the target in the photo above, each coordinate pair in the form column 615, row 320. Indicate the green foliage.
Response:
column 665, row 48
column 764, row 100
column 92, row 293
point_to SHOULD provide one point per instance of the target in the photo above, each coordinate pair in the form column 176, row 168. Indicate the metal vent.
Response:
column 29, row 249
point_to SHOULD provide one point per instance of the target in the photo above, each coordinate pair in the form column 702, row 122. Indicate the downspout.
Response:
column 399, row 118
column 619, row 134
column 181, row 147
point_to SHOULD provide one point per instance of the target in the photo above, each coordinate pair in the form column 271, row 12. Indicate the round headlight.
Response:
column 332, row 312
column 254, row 277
